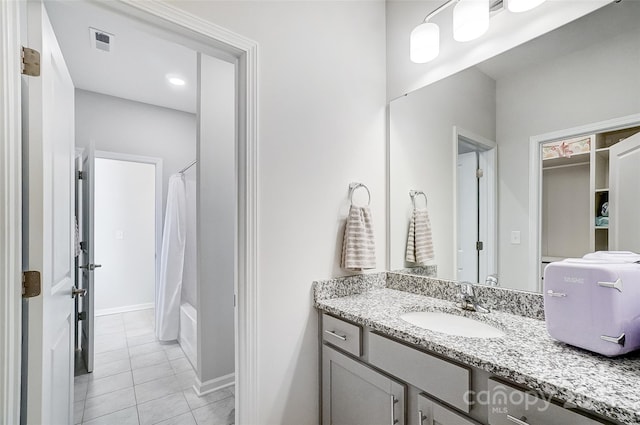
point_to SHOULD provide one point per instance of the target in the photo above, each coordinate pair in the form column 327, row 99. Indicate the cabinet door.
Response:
column 355, row 394
column 430, row 412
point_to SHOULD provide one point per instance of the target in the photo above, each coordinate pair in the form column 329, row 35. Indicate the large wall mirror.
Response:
column 466, row 142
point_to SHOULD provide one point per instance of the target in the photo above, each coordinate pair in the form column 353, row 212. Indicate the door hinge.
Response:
column 31, row 284
column 479, row 246
column 30, row 62
column 82, row 315
column 479, row 173
column 80, row 175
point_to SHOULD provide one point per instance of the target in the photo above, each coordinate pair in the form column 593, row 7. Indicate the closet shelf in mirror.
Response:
column 602, row 227
column 575, row 159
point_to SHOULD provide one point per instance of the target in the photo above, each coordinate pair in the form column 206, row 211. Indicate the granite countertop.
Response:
column 526, row 355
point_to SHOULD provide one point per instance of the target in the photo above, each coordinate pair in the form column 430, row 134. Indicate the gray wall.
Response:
column 216, row 216
column 583, row 87
column 124, row 126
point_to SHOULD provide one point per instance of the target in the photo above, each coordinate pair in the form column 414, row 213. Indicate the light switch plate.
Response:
column 515, row 237
column 119, row 234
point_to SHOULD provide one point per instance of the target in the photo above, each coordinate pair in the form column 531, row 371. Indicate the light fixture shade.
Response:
column 523, row 5
column 470, row 19
column 425, row 42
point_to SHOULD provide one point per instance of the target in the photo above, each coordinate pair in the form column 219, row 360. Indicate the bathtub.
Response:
column 188, row 337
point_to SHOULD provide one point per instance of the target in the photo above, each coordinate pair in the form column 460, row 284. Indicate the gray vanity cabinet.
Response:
column 430, row 412
column 371, row 379
column 355, row 394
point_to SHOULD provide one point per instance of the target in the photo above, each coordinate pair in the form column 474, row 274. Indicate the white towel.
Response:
column 419, row 242
column 358, row 246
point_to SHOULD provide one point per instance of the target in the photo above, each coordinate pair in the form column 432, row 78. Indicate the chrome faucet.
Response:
column 492, row 280
column 468, row 299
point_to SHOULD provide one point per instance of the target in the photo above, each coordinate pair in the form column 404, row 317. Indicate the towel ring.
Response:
column 414, row 194
column 353, row 187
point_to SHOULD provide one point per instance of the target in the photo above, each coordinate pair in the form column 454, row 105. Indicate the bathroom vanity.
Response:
column 380, row 369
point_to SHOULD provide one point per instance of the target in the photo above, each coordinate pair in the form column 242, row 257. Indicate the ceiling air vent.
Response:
column 101, row 40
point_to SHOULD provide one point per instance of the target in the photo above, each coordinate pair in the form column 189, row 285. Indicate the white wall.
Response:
column 216, row 218
column 321, row 125
column 124, row 126
column 421, row 156
column 506, row 31
column 125, row 231
column 583, row 87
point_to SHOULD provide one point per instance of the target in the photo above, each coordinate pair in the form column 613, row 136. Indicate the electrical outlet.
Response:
column 119, row 234
column 515, row 237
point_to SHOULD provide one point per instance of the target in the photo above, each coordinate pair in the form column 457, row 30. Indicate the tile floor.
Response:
column 139, row 381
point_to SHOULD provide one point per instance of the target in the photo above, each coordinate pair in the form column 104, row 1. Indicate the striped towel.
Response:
column 358, row 246
column 419, row 242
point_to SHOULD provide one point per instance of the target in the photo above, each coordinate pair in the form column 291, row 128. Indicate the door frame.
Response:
column 157, row 201
column 10, row 213
column 243, row 52
column 488, row 229
column 535, row 182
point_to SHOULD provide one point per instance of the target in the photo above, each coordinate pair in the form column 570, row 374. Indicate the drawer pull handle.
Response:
column 393, row 409
column 520, row 421
column 556, row 294
column 340, row 337
column 421, row 417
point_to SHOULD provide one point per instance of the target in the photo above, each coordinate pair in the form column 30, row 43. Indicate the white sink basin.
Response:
column 452, row 324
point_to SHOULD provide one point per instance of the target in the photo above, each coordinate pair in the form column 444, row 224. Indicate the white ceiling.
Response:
column 138, row 64
column 605, row 23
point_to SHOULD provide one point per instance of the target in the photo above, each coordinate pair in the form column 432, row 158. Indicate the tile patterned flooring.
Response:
column 139, row 381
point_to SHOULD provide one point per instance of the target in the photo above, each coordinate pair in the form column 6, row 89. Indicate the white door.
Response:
column 49, row 226
column 467, row 207
column 624, row 195
column 87, row 256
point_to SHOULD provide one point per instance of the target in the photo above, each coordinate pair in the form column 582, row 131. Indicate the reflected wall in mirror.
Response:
column 585, row 72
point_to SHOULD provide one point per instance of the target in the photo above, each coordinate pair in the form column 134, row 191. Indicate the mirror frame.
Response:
column 535, row 180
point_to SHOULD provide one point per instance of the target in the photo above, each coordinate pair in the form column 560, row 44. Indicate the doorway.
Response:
column 126, row 234
column 210, row 38
column 475, row 208
column 151, row 375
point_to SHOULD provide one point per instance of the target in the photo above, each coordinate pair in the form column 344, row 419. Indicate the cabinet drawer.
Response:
column 344, row 335
column 430, row 412
column 512, row 406
column 442, row 379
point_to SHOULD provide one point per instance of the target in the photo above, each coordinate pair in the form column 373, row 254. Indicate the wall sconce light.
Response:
column 470, row 21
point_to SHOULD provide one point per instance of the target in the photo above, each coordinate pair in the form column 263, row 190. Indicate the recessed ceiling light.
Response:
column 176, row 81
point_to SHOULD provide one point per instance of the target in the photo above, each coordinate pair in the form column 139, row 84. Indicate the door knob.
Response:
column 90, row 267
column 75, row 292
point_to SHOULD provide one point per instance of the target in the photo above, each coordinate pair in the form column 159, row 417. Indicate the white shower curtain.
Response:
column 172, row 261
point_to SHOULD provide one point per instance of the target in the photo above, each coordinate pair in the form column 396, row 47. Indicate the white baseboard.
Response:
column 125, row 309
column 203, row 388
